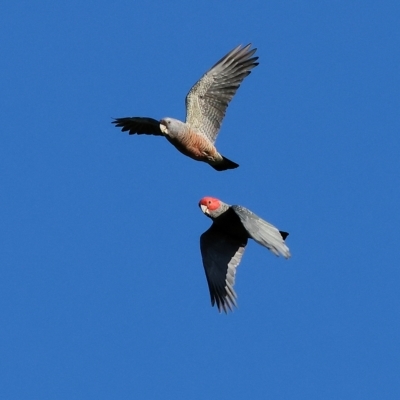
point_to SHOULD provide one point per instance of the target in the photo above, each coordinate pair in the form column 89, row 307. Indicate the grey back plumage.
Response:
column 208, row 99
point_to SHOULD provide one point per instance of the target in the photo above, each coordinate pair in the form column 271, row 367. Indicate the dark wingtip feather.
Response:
column 284, row 234
column 116, row 121
column 139, row 125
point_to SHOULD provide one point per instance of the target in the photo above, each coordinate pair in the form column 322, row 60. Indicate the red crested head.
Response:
column 209, row 204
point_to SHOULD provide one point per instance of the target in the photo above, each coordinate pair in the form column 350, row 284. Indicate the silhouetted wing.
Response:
column 138, row 125
column 221, row 255
column 262, row 231
column 208, row 99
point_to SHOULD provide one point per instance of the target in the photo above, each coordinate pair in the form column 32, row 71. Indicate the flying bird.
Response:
column 206, row 104
column 222, row 246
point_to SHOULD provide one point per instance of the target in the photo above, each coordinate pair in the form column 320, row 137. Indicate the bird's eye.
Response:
column 209, row 202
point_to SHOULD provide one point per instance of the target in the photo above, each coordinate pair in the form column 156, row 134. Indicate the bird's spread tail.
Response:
column 224, row 164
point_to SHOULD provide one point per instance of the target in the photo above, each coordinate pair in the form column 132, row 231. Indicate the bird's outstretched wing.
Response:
column 263, row 232
column 208, row 99
column 139, row 125
column 221, row 255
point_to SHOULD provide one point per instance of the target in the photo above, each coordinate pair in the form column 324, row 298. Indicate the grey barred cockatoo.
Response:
column 222, row 246
column 206, row 104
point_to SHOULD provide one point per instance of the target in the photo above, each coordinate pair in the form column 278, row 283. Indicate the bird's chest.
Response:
column 193, row 146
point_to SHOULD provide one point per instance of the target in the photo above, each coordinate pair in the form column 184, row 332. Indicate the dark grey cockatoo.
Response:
column 222, row 246
column 206, row 105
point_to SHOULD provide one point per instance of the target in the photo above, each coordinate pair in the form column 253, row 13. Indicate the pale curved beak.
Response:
column 204, row 209
column 163, row 129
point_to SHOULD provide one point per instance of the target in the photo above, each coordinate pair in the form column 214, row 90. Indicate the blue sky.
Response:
column 102, row 289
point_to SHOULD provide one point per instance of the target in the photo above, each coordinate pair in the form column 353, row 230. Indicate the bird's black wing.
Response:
column 138, row 125
column 221, row 255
